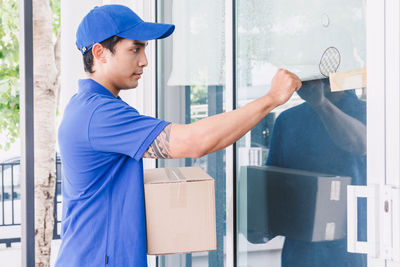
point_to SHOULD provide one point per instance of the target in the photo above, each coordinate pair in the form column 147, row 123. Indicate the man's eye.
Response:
column 135, row 50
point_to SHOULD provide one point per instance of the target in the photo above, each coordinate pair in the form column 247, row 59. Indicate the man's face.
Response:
column 125, row 66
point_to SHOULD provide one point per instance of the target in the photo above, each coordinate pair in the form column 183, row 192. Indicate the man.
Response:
column 103, row 140
column 326, row 134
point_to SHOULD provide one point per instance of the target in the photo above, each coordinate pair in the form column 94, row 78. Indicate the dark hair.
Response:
column 88, row 56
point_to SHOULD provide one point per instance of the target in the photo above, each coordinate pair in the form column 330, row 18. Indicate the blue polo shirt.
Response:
column 102, row 140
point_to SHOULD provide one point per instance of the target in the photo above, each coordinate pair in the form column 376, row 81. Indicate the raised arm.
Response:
column 219, row 131
column 346, row 132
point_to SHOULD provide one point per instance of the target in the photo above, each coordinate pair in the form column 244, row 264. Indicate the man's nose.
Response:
column 143, row 60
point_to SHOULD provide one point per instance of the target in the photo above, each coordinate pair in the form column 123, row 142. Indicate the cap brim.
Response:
column 146, row 31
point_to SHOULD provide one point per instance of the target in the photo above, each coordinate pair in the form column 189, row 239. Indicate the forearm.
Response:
column 346, row 132
column 219, row 131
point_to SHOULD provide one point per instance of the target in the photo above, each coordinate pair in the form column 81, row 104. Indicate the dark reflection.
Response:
column 326, row 134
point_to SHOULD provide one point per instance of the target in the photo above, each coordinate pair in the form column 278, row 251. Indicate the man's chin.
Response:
column 131, row 85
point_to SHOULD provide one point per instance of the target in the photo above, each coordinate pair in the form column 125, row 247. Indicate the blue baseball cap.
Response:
column 103, row 22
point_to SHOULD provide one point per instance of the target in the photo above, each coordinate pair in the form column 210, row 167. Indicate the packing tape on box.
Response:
column 178, row 194
column 330, row 231
column 175, row 174
column 335, row 190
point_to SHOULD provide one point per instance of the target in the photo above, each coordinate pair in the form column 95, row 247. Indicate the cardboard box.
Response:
column 180, row 210
column 298, row 204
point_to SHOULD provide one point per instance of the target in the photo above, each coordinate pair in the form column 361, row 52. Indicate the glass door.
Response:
column 191, row 86
column 294, row 168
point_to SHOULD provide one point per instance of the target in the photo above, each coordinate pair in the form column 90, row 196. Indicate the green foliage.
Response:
column 55, row 8
column 9, row 72
column 9, row 110
column 198, row 95
column 9, row 67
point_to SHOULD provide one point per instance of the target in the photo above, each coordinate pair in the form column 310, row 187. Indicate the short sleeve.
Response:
column 116, row 127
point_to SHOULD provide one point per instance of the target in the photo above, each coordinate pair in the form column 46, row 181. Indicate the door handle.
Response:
column 371, row 246
column 353, row 193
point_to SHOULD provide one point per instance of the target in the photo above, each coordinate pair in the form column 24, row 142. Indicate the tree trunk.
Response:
column 45, row 82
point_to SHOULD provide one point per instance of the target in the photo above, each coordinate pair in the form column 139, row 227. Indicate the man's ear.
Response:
column 99, row 53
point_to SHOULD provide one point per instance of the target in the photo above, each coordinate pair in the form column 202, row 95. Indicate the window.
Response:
column 191, row 87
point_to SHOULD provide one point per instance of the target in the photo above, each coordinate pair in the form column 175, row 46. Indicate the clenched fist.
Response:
column 283, row 85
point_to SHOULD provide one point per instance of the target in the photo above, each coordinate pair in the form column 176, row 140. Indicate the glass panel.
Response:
column 191, row 87
column 10, row 186
column 294, row 166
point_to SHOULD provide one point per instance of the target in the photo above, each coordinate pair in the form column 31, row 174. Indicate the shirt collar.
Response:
column 91, row 86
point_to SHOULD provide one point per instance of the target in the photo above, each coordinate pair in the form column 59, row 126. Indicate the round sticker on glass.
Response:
column 330, row 61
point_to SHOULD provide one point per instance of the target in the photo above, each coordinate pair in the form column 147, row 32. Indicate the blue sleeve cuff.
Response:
column 150, row 139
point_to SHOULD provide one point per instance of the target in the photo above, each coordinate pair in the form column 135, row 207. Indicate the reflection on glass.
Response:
column 294, row 166
column 191, row 87
column 326, row 134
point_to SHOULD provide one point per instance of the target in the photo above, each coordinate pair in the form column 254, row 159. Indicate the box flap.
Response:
column 175, row 175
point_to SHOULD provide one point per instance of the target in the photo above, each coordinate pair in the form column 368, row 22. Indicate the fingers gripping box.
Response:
column 180, row 210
